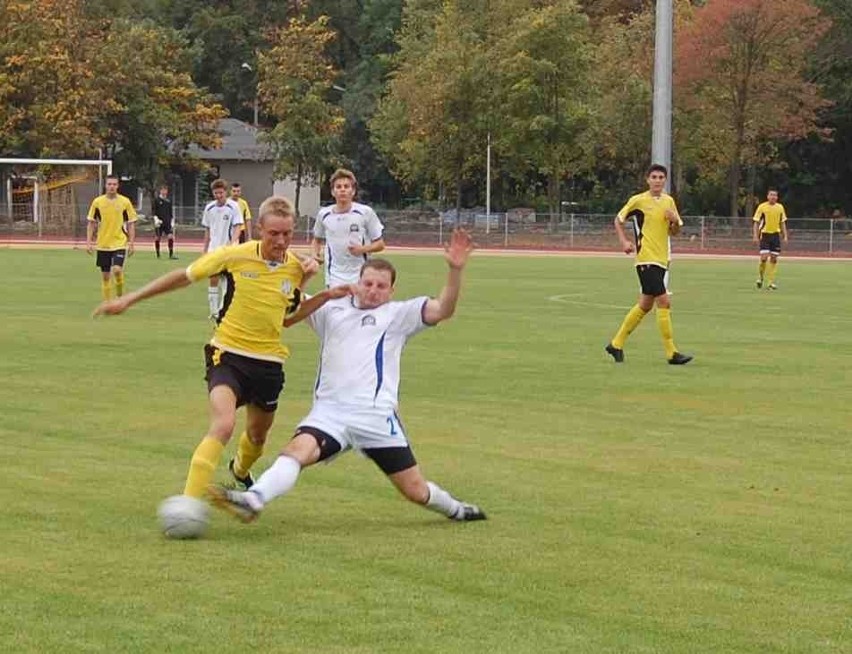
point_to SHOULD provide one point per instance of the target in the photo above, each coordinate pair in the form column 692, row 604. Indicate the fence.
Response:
column 515, row 230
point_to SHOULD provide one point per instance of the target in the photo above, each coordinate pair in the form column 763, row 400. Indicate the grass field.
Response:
column 633, row 508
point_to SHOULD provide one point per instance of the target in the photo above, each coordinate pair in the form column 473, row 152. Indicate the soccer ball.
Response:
column 183, row 517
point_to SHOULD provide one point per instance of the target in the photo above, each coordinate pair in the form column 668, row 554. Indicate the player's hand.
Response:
column 458, row 250
column 88, row 248
column 357, row 250
column 131, row 249
column 111, row 307
column 754, row 239
column 337, row 292
column 672, row 217
column 309, row 265
column 627, row 247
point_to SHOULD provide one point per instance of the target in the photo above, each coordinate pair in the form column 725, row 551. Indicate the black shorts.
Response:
column 253, row 381
column 165, row 229
column 389, row 459
column 770, row 243
column 651, row 279
column 106, row 259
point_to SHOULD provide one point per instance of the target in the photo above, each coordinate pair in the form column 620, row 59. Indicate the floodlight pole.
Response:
column 661, row 140
column 488, row 185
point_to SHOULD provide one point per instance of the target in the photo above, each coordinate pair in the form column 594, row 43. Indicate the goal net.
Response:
column 48, row 197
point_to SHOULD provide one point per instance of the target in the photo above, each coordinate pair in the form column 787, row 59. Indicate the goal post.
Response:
column 38, row 188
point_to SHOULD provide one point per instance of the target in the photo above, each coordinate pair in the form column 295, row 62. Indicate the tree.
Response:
column 295, row 80
column 741, row 75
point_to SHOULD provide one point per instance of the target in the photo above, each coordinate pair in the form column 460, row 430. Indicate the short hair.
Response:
column 380, row 265
column 342, row 173
column 772, row 190
column 218, row 183
column 111, row 176
column 658, row 168
column 235, row 185
column 276, row 205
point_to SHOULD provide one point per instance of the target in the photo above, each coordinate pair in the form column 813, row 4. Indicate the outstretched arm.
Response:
column 168, row 282
column 456, row 254
column 314, row 302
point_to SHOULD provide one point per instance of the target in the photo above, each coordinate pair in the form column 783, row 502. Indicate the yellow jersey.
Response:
column 650, row 226
column 112, row 216
column 259, row 294
column 770, row 217
column 245, row 211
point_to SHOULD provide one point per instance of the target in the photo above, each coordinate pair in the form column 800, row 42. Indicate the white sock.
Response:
column 441, row 501
column 213, row 299
column 277, row 480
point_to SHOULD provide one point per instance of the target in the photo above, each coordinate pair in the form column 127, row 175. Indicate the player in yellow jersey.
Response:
column 114, row 218
column 655, row 218
column 245, row 210
column 245, row 356
column 770, row 225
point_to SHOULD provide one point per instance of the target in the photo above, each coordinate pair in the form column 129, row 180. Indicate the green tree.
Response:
column 296, row 78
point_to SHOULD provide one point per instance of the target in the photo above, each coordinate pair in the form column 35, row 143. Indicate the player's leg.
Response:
column 265, row 381
column 213, row 296
column 308, row 446
column 664, row 325
column 157, row 233
column 764, row 255
column 631, row 321
column 205, row 459
column 117, row 270
column 172, row 244
column 104, row 263
column 771, row 268
column 401, row 468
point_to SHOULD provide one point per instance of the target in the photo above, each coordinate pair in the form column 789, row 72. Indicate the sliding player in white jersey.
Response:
column 345, row 233
column 357, row 388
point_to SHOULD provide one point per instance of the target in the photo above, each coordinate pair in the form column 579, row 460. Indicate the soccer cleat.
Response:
column 237, row 503
column 246, row 482
column 469, row 513
column 772, row 287
column 172, row 256
column 615, row 353
column 679, row 359
column 758, row 283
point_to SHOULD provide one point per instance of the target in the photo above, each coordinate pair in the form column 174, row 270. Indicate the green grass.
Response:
column 634, row 508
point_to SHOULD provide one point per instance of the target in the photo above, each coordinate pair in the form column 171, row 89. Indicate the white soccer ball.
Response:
column 182, row 516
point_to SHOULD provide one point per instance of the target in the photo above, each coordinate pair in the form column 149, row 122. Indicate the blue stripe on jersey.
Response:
column 319, row 373
column 380, row 367
column 328, row 257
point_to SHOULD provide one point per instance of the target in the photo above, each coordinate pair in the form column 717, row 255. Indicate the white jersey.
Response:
column 361, row 349
column 223, row 221
column 360, row 225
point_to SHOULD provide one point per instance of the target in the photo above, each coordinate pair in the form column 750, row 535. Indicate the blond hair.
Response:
column 276, row 205
column 342, row 173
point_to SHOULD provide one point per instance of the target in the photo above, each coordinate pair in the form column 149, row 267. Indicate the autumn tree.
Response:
column 296, row 79
column 741, row 74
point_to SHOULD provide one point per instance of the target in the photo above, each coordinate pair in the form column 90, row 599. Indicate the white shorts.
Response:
column 357, row 428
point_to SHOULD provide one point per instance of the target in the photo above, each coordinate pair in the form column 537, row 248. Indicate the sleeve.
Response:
column 783, row 214
column 130, row 210
column 677, row 213
column 317, row 320
column 758, row 213
column 409, row 317
column 205, row 218
column 319, row 226
column 209, row 264
column 247, row 212
column 626, row 210
column 92, row 209
column 374, row 226
column 236, row 214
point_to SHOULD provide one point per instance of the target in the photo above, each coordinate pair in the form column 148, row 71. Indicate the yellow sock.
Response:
column 119, row 284
column 106, row 291
column 203, row 465
column 770, row 272
column 247, row 454
column 631, row 321
column 664, row 323
column 762, row 269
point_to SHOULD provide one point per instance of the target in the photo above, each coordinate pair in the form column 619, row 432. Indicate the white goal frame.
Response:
column 100, row 163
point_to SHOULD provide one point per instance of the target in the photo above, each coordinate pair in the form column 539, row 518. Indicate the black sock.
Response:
column 171, row 247
column 157, row 247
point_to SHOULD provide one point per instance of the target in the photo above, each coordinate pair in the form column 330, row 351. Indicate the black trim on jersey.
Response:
column 97, row 215
column 354, row 210
column 638, row 222
column 229, row 295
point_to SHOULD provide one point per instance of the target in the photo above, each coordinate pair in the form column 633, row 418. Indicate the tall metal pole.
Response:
column 488, row 185
column 661, row 140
